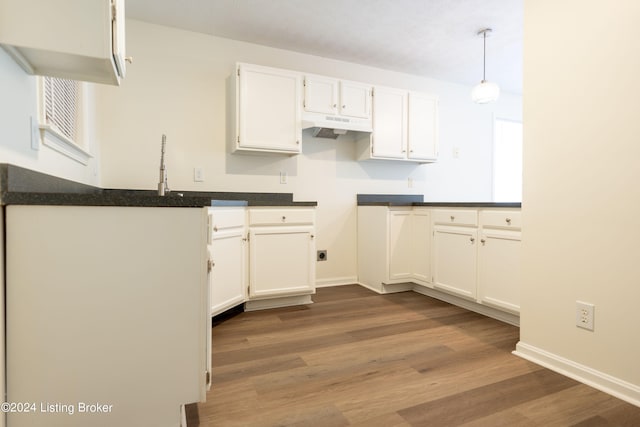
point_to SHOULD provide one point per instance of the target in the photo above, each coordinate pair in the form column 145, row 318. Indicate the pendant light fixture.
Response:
column 485, row 92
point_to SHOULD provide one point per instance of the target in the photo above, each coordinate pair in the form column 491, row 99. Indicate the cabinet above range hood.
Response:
column 334, row 107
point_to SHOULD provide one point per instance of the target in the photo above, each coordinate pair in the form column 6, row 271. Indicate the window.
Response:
column 507, row 161
column 62, row 116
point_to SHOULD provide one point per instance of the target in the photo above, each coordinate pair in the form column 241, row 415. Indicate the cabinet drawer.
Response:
column 501, row 219
column 223, row 218
column 281, row 216
column 456, row 217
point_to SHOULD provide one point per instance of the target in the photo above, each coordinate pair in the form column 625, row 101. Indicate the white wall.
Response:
column 580, row 199
column 176, row 86
column 18, row 103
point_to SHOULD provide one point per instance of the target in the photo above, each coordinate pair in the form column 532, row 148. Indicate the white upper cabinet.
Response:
column 71, row 39
column 405, row 127
column 337, row 97
column 355, row 99
column 265, row 110
column 423, row 127
column 320, row 95
column 389, row 138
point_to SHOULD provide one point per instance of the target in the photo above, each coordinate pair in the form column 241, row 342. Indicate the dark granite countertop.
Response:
column 20, row 186
column 418, row 200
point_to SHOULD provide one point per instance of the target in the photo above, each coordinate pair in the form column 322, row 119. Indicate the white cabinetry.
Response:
column 405, row 127
column 281, row 252
column 400, row 244
column 499, row 260
column 423, row 127
column 455, row 236
column 389, row 138
column 228, row 251
column 74, row 39
column 421, row 246
column 264, row 110
column 393, row 246
column 331, row 96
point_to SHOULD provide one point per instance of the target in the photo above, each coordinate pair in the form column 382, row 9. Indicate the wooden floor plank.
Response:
column 356, row 358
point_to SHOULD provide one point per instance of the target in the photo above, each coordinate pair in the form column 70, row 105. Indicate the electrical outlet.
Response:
column 584, row 315
column 283, row 177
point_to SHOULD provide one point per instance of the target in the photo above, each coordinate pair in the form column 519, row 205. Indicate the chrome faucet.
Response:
column 163, row 187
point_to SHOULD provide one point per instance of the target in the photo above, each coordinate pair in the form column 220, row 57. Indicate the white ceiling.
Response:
column 433, row 38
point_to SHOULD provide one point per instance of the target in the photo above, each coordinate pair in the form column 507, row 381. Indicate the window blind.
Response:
column 62, row 105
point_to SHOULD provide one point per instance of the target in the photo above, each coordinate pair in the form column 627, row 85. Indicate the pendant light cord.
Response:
column 484, row 55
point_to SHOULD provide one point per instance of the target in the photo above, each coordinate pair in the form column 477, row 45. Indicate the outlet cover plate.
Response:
column 585, row 315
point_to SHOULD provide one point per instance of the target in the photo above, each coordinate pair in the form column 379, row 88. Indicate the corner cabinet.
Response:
column 79, row 40
column 264, row 110
column 394, row 246
column 281, row 252
column 405, row 127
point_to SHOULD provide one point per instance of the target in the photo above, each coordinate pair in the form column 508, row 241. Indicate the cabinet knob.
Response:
column 129, row 59
column 215, row 228
column 312, row 236
column 471, row 239
column 453, row 218
column 284, row 218
column 508, row 221
column 335, row 105
column 344, row 106
column 482, row 241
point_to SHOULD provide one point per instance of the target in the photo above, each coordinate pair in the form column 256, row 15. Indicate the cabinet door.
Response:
column 282, row 261
column 269, row 109
column 320, row 95
column 454, row 260
column 227, row 278
column 400, row 245
column 499, row 269
column 421, row 245
column 423, row 126
column 389, row 137
column 355, row 99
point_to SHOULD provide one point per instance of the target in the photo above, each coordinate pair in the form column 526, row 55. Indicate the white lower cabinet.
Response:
column 499, row 261
column 472, row 254
column 455, row 259
column 281, row 252
column 228, row 251
column 281, row 261
column 391, row 248
column 400, row 245
column 421, row 245
column 274, row 260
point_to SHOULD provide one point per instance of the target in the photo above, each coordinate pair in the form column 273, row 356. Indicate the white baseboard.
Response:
column 377, row 291
column 263, row 304
column 500, row 315
column 337, row 281
column 599, row 380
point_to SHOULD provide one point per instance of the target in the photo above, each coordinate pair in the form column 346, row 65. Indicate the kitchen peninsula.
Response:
column 109, row 291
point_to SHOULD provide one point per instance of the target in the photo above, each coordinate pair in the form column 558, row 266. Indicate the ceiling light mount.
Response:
column 485, row 92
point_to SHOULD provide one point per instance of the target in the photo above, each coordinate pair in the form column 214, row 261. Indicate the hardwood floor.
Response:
column 356, row 358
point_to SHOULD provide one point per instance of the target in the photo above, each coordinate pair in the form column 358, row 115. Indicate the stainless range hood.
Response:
column 332, row 126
